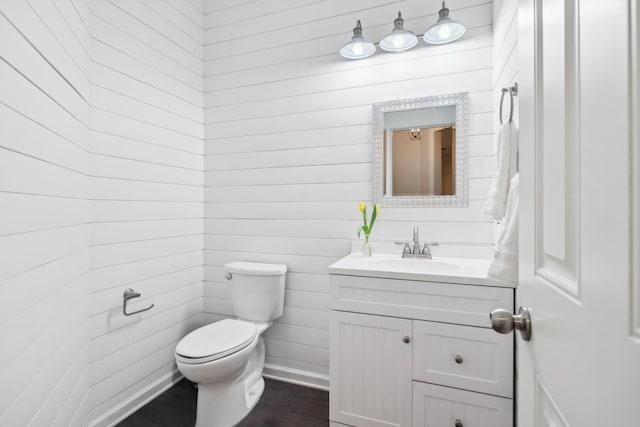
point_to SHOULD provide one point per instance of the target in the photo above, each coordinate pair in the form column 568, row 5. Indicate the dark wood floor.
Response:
column 281, row 405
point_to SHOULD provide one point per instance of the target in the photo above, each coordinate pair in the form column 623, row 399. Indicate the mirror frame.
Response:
column 461, row 196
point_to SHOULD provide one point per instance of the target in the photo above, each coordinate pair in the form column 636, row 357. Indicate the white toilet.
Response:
column 226, row 358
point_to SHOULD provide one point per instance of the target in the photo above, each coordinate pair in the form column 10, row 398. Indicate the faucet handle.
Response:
column 425, row 248
column 406, row 250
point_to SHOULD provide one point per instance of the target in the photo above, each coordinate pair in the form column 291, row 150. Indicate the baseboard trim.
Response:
column 138, row 400
column 296, row 376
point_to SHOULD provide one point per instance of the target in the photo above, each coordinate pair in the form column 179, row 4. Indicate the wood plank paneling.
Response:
column 101, row 188
column 44, row 179
column 146, row 195
column 288, row 144
column 104, row 128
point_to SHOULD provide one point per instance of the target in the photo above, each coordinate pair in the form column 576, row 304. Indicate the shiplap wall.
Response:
column 44, row 216
column 288, row 149
column 146, row 204
column 505, row 55
column 101, row 189
column 288, row 155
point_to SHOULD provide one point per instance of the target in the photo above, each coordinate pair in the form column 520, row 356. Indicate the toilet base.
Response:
column 253, row 393
column 226, row 403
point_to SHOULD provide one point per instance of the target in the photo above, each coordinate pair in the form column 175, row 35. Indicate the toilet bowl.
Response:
column 226, row 358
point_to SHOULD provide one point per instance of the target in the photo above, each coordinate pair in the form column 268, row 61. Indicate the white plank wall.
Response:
column 288, row 150
column 106, row 184
column 101, row 189
column 44, row 215
column 146, row 201
column 505, row 60
column 505, row 55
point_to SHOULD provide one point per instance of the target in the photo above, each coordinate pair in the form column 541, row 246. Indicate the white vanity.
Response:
column 411, row 344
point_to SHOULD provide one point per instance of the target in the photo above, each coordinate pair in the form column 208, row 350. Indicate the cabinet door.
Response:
column 437, row 406
column 370, row 370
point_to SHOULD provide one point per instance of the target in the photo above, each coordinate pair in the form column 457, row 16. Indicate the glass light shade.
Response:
column 358, row 47
column 445, row 30
column 399, row 39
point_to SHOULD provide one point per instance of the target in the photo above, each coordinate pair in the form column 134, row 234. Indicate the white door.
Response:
column 579, row 219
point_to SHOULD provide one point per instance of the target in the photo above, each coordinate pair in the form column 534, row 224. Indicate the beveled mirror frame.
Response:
column 461, row 197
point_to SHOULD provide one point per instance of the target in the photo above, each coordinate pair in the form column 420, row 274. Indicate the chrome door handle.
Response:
column 504, row 322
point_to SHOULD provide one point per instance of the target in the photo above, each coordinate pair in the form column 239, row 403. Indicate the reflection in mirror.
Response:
column 420, row 153
column 420, row 160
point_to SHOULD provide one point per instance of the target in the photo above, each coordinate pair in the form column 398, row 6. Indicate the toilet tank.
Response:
column 256, row 289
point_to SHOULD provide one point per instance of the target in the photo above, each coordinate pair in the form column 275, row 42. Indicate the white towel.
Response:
column 506, row 166
column 504, row 268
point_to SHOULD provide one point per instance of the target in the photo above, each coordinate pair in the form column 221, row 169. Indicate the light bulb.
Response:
column 358, row 48
column 398, row 41
column 444, row 31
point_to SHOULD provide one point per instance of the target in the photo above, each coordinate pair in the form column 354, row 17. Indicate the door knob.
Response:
column 504, row 322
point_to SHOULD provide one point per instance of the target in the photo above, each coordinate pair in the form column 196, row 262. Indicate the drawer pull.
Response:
column 458, row 423
column 458, row 360
column 406, row 339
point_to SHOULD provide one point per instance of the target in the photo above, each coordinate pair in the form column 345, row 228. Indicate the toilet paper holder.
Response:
column 129, row 294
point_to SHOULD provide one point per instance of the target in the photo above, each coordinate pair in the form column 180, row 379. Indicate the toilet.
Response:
column 226, row 358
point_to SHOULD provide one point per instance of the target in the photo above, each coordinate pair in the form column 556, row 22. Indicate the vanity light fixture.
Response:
column 399, row 39
column 445, row 30
column 358, row 47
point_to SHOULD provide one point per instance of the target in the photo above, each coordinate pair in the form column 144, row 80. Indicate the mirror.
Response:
column 420, row 151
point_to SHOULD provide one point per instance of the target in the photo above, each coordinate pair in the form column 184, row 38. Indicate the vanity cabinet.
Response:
column 418, row 353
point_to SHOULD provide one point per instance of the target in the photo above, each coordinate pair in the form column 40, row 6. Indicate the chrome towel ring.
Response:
column 512, row 91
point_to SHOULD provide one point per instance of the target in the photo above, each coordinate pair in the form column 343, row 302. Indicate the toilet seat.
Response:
column 215, row 341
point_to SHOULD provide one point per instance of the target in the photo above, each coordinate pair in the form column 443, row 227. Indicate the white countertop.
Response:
column 467, row 271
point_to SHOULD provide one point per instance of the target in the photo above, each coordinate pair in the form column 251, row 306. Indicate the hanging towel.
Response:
column 506, row 166
column 504, row 268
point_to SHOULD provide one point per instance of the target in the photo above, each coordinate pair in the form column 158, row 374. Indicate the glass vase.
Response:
column 366, row 247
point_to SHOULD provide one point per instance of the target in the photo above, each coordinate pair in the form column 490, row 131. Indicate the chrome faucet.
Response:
column 416, row 251
column 416, row 241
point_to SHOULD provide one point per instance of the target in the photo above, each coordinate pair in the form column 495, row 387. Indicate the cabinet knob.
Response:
column 406, row 339
column 458, row 423
column 458, row 359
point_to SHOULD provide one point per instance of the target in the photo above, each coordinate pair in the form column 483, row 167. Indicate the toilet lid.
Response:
column 215, row 341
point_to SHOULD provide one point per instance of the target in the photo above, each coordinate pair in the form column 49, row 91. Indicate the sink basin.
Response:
column 413, row 265
column 439, row 269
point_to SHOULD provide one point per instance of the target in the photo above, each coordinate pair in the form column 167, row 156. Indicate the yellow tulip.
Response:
column 377, row 209
column 363, row 206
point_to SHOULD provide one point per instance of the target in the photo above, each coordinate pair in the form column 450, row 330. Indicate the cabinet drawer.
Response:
column 436, row 406
column 465, row 357
column 440, row 302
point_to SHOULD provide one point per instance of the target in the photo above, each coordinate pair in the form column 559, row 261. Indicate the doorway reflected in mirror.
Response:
column 423, row 161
